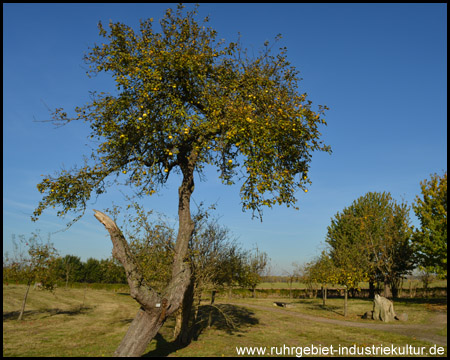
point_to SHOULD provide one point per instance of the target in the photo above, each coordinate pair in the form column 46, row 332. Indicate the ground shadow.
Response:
column 13, row 315
column 232, row 319
column 126, row 321
column 226, row 317
column 313, row 305
column 163, row 347
column 330, row 308
column 430, row 301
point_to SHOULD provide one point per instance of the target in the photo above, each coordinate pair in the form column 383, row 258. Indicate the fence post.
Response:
column 345, row 300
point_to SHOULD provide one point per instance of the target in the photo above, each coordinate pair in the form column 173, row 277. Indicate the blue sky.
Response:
column 380, row 68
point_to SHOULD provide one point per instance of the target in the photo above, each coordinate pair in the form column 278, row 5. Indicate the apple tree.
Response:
column 185, row 100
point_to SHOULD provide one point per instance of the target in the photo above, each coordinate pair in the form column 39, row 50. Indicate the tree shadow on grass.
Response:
column 13, row 315
column 163, row 347
column 331, row 308
column 225, row 317
column 313, row 305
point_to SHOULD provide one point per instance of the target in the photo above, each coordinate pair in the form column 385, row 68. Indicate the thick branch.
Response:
column 139, row 290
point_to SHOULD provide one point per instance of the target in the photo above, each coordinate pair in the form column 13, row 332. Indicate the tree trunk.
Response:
column 394, row 291
column 178, row 321
column 155, row 308
column 345, row 301
column 24, row 302
column 142, row 330
column 183, row 335
column 371, row 290
column 324, row 295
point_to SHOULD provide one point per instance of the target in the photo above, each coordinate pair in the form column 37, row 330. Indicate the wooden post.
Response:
column 324, row 294
column 345, row 301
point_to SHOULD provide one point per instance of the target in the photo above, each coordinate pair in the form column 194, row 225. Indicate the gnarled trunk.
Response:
column 142, row 330
column 155, row 307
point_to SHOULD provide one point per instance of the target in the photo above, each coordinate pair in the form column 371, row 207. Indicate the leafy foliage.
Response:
column 107, row 271
column 186, row 100
column 69, row 268
column 216, row 259
column 324, row 271
column 37, row 264
column 371, row 240
column 256, row 264
column 430, row 241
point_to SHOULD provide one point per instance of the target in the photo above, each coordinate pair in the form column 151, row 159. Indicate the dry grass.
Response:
column 61, row 325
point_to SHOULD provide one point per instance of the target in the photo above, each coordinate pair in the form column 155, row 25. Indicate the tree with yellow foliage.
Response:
column 372, row 239
column 430, row 241
column 184, row 101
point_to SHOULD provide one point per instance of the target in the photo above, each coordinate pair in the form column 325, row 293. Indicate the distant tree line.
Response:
column 70, row 269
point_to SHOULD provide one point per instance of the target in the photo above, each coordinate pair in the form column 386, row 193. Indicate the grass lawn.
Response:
column 75, row 322
column 420, row 311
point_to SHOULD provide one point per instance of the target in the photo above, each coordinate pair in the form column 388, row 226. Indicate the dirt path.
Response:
column 424, row 332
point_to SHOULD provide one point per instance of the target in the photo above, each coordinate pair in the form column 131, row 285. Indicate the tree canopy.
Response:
column 185, row 100
column 372, row 239
column 430, row 241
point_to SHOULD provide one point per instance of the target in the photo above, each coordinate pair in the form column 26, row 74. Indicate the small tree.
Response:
column 292, row 276
column 38, row 265
column 254, row 267
column 184, row 101
column 322, row 271
column 430, row 241
column 303, row 275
